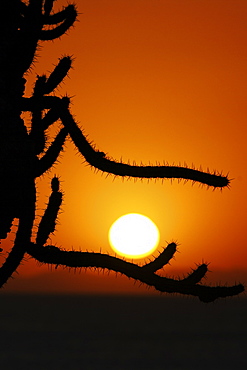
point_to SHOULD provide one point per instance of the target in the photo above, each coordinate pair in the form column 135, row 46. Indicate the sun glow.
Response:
column 134, row 235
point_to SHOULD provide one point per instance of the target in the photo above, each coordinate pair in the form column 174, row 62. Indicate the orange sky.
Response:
column 153, row 80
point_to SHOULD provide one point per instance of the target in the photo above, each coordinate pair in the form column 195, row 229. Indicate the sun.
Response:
column 134, row 236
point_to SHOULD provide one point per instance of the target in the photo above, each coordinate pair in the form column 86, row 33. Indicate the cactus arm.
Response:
column 57, row 75
column 17, row 253
column 68, row 17
column 162, row 260
column 99, row 161
column 37, row 133
column 53, row 255
column 197, row 274
column 48, row 222
column 53, row 114
column 51, row 117
column 52, row 153
column 44, row 86
column 146, row 274
column 59, row 16
column 23, row 236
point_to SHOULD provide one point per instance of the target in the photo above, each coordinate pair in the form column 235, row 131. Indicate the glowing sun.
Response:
column 134, row 236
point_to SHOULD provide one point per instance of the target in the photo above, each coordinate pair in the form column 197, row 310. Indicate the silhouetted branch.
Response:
column 57, row 75
column 162, row 260
column 53, row 255
column 52, row 153
column 66, row 16
column 48, row 221
column 99, row 161
column 23, row 235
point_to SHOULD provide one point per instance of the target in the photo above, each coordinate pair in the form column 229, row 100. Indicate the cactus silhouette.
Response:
column 24, row 155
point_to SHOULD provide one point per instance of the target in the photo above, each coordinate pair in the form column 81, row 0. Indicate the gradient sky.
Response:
column 153, row 80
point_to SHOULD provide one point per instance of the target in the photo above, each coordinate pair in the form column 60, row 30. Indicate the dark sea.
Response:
column 76, row 332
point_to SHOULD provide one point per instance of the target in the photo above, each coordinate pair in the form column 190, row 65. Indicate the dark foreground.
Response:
column 121, row 332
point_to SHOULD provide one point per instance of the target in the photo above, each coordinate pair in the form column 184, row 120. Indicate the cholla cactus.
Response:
column 23, row 157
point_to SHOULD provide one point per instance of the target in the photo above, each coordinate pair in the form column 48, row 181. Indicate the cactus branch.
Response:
column 163, row 259
column 99, row 161
column 52, row 153
column 23, row 236
column 48, row 221
column 59, row 16
column 53, row 255
column 67, row 17
column 196, row 275
column 58, row 74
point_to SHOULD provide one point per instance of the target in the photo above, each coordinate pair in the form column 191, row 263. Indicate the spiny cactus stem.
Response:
column 59, row 16
column 196, row 275
column 99, row 161
column 53, row 255
column 57, row 75
column 52, row 153
column 22, row 239
column 122, row 169
column 69, row 15
column 51, row 117
column 163, row 259
column 48, row 221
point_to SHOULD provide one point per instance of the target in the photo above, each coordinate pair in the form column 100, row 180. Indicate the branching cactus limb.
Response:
column 48, row 221
column 147, row 274
column 59, row 109
column 188, row 286
column 52, row 153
